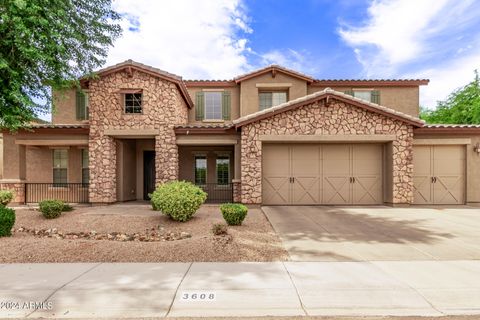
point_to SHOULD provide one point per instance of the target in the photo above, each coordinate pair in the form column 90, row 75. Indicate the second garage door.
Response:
column 322, row 174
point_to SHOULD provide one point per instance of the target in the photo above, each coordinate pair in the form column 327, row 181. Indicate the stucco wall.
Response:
column 472, row 163
column 163, row 108
column 403, row 99
column 249, row 90
column 64, row 111
column 318, row 119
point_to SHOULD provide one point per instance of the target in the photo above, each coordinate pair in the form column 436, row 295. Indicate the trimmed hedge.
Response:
column 51, row 209
column 234, row 213
column 6, row 196
column 178, row 199
column 7, row 220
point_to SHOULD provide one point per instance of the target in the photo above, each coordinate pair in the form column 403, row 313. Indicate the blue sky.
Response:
column 219, row 39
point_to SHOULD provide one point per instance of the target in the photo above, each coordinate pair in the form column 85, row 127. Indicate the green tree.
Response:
column 48, row 43
column 462, row 106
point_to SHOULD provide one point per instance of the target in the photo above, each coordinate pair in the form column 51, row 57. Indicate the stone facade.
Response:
column 18, row 189
column 336, row 119
column 162, row 108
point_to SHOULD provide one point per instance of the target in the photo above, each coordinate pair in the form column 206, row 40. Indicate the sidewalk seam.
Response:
column 176, row 290
column 64, row 285
column 296, row 289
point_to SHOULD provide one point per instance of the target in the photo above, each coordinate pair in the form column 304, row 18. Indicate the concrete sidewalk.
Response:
column 421, row 288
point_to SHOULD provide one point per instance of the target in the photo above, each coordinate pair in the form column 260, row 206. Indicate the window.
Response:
column 213, row 106
column 223, row 170
column 60, row 164
column 82, row 105
column 200, row 170
column 364, row 95
column 85, row 170
column 133, row 103
column 271, row 99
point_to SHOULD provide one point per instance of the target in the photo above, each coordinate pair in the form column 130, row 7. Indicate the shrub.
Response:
column 51, row 209
column 6, row 196
column 234, row 213
column 67, row 207
column 219, row 229
column 178, row 199
column 7, row 220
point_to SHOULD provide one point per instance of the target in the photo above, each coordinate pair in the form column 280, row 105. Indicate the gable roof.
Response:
column 326, row 94
column 273, row 69
column 132, row 65
column 369, row 82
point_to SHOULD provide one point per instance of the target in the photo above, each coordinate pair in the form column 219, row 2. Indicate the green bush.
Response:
column 6, row 196
column 219, row 229
column 51, row 209
column 234, row 213
column 67, row 207
column 7, row 220
column 178, row 199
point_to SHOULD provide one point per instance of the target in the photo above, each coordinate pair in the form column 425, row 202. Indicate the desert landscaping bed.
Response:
column 136, row 233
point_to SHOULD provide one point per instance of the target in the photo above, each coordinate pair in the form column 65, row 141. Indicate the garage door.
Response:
column 439, row 174
column 322, row 174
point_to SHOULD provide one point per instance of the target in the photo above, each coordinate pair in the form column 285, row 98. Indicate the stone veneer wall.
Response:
column 18, row 189
column 163, row 108
column 318, row 119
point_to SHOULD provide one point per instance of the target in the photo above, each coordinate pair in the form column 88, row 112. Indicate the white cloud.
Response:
column 435, row 39
column 289, row 58
column 191, row 38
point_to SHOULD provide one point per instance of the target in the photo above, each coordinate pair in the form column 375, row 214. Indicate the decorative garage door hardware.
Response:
column 322, row 174
column 439, row 174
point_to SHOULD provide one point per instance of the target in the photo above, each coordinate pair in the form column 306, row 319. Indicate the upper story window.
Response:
column 81, row 102
column 268, row 99
column 133, row 102
column 212, row 105
column 365, row 94
column 60, row 165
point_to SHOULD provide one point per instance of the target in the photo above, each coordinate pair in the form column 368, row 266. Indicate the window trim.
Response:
column 263, row 90
column 203, row 156
column 219, row 156
column 59, row 184
column 205, row 93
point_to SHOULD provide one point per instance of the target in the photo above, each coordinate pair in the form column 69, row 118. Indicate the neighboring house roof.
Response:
column 58, row 126
column 273, row 69
column 325, row 94
column 130, row 64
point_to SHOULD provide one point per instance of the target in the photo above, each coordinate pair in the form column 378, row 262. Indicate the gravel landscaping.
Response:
column 135, row 233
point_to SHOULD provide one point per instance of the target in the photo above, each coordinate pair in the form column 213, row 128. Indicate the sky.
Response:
column 337, row 39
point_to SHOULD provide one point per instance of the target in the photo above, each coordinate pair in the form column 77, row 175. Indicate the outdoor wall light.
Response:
column 476, row 148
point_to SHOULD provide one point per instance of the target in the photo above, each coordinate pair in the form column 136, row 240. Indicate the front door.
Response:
column 148, row 173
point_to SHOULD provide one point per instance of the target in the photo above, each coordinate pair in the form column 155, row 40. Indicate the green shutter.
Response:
column 226, row 105
column 349, row 92
column 80, row 102
column 376, row 96
column 199, row 106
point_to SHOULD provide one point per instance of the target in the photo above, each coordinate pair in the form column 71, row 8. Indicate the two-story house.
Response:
column 271, row 136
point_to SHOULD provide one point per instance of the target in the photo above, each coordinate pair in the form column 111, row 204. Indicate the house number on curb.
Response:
column 198, row 296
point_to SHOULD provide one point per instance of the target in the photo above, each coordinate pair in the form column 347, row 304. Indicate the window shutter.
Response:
column 349, row 92
column 376, row 96
column 80, row 102
column 199, row 106
column 226, row 105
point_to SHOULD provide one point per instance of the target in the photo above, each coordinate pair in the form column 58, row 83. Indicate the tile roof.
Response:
column 208, row 126
column 58, row 126
column 323, row 94
column 454, row 126
column 273, row 67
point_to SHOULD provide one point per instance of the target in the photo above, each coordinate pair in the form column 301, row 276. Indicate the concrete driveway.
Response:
column 316, row 233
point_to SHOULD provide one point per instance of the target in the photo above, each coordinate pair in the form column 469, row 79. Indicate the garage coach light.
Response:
column 476, row 148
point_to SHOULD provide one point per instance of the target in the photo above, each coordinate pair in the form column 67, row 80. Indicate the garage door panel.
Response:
column 306, row 166
column 439, row 174
column 275, row 182
column 336, row 190
column 367, row 164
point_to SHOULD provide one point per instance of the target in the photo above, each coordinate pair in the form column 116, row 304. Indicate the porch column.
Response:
column 237, row 174
column 13, row 158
